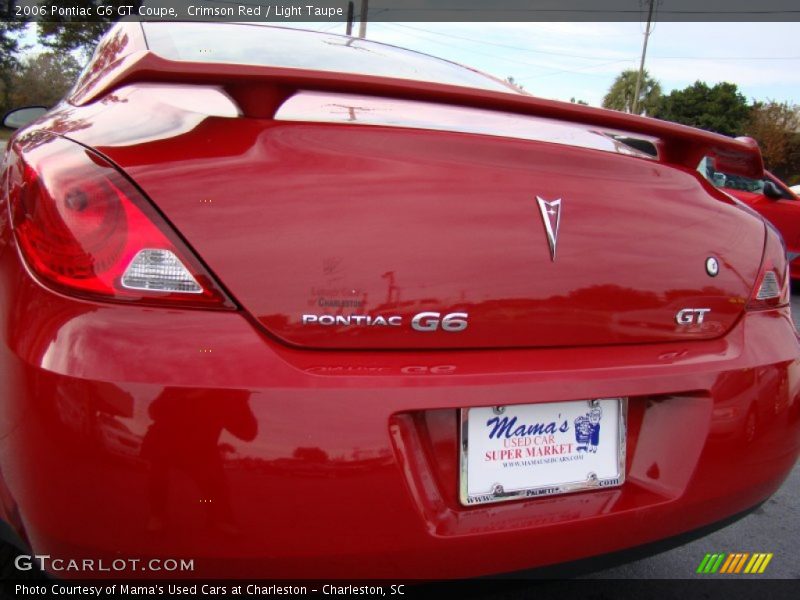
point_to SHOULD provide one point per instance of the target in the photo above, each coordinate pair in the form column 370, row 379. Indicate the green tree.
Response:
column 621, row 93
column 44, row 79
column 69, row 37
column 66, row 35
column 10, row 48
column 775, row 126
column 721, row 108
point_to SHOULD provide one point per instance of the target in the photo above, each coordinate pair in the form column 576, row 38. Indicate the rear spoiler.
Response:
column 260, row 91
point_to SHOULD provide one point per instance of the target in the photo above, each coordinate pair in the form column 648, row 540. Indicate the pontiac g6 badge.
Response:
column 424, row 321
column 551, row 216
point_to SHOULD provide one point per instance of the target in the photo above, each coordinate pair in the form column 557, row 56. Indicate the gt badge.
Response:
column 691, row 316
column 551, row 216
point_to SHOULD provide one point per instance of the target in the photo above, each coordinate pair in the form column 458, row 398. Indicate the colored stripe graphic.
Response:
column 759, row 563
column 728, row 564
column 715, row 563
column 740, row 564
column 765, row 563
column 734, row 563
column 719, row 562
column 754, row 563
column 703, row 563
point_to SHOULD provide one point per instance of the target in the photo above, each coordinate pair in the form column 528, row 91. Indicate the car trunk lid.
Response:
column 334, row 235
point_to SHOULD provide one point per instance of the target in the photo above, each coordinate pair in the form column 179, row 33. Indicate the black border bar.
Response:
column 333, row 11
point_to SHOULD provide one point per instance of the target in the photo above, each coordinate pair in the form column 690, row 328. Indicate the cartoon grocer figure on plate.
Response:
column 587, row 430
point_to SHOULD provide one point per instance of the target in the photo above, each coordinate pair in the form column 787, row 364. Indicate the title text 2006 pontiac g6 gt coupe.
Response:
column 297, row 305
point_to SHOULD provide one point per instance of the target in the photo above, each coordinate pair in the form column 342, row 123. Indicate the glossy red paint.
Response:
column 156, row 431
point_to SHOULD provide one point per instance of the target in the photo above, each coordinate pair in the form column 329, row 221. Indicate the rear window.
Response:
column 250, row 44
column 739, row 183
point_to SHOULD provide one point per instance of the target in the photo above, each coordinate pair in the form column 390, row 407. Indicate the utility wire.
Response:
column 579, row 70
column 522, row 48
column 470, row 49
column 557, row 71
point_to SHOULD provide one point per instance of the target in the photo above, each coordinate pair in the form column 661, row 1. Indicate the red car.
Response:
column 774, row 201
column 286, row 304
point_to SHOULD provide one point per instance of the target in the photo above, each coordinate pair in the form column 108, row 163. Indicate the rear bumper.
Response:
column 136, row 433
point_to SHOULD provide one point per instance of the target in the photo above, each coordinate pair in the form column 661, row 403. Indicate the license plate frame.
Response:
column 607, row 471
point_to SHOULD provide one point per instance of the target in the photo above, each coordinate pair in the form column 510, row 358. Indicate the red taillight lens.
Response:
column 85, row 230
column 772, row 287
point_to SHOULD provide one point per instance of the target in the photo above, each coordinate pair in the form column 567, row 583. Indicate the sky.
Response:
column 581, row 60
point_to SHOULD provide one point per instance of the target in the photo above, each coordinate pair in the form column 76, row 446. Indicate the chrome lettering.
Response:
column 455, row 322
column 425, row 321
column 430, row 321
column 691, row 316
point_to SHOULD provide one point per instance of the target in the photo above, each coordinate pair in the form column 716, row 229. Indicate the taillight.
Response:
column 772, row 286
column 85, row 230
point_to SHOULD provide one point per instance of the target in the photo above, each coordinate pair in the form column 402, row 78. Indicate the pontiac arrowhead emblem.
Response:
column 551, row 215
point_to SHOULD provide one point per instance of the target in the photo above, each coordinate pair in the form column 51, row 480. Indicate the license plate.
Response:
column 529, row 450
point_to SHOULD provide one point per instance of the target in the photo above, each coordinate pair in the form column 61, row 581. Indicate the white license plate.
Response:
column 527, row 450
